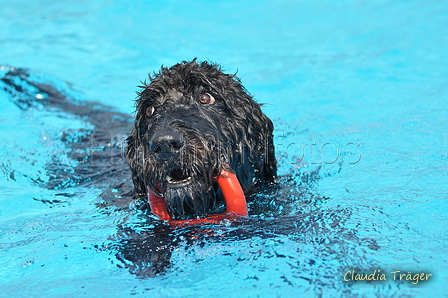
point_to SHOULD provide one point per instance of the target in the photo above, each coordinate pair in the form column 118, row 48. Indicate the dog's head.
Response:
column 191, row 121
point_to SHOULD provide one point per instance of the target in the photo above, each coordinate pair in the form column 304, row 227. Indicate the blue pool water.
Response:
column 358, row 94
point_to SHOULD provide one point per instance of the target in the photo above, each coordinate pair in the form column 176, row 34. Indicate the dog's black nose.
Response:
column 166, row 145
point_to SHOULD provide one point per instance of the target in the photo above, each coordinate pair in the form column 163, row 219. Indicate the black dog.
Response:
column 192, row 120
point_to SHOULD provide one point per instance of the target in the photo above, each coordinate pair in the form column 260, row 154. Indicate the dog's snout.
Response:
column 166, row 145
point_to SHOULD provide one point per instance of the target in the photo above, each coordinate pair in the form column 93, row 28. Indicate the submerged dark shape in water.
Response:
column 291, row 208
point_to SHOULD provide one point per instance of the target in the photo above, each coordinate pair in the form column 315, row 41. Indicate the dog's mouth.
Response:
column 228, row 183
column 177, row 179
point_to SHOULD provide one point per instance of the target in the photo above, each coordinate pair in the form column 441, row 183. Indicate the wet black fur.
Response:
column 233, row 130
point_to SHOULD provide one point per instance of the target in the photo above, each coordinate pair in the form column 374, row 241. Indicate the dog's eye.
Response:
column 206, row 98
column 149, row 111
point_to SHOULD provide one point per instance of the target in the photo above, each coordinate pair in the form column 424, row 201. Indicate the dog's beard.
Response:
column 191, row 201
column 187, row 184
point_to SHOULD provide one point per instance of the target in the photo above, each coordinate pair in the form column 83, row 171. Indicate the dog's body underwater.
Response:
column 192, row 121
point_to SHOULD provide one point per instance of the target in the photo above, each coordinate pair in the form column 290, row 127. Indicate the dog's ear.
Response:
column 260, row 131
column 270, row 163
column 265, row 127
column 131, row 157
